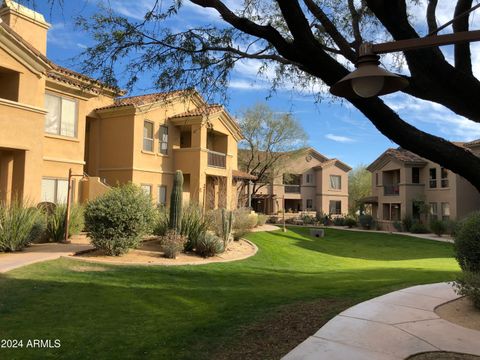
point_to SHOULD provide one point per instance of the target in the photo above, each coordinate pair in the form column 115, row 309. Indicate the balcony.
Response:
column 292, row 189
column 391, row 190
column 217, row 159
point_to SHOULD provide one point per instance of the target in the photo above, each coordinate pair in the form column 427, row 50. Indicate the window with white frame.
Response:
column 433, row 211
column 147, row 135
column 309, row 204
column 444, row 178
column 335, row 182
column 61, row 117
column 147, row 189
column 445, row 211
column 162, row 195
column 54, row 190
column 335, row 207
column 308, row 178
column 163, row 139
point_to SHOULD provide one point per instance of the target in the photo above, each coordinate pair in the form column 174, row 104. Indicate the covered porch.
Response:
column 12, row 174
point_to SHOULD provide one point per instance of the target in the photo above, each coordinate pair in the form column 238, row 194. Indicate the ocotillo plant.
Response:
column 176, row 200
column 227, row 221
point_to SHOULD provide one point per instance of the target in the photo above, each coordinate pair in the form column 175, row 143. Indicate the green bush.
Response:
column 55, row 230
column 467, row 243
column 19, row 226
column 418, row 228
column 339, row 221
column 366, row 221
column 469, row 285
column 193, row 225
column 438, row 227
column 350, row 222
column 261, row 219
column 243, row 222
column 161, row 221
column 209, row 245
column 398, row 226
column 308, row 220
column 117, row 220
column 453, row 227
column 407, row 223
column 172, row 244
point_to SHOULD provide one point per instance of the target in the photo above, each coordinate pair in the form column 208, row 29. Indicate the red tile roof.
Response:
column 404, row 155
column 243, row 175
column 146, row 99
column 205, row 110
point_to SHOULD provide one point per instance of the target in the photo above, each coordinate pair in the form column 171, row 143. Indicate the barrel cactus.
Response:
column 176, row 200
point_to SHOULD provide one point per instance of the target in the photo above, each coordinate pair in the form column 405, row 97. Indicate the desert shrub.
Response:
column 172, row 244
column 55, row 230
column 242, row 222
column 468, row 284
column 19, row 226
column 438, row 227
column 453, row 227
column 366, row 221
column 467, row 243
column 350, row 222
column 308, row 220
column 339, row 221
column 160, row 222
column 398, row 226
column 193, row 225
column 407, row 223
column 418, row 228
column 209, row 245
column 117, row 220
column 261, row 219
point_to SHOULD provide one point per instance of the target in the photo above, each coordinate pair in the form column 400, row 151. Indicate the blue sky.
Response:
column 335, row 129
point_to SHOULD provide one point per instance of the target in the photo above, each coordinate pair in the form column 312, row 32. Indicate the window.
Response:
column 147, row 136
column 162, row 195
column 335, row 182
column 445, row 211
column 61, row 118
column 54, row 190
column 391, row 212
column 335, row 207
column 147, row 189
column 415, row 175
column 433, row 178
column 444, row 177
column 308, row 178
column 376, row 179
column 163, row 139
column 309, row 204
column 433, row 211
column 292, row 179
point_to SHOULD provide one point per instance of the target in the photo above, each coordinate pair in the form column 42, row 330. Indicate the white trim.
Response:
column 22, row 106
column 68, row 161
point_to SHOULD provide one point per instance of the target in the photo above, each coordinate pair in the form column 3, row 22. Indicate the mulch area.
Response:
column 280, row 332
column 460, row 312
column 441, row 355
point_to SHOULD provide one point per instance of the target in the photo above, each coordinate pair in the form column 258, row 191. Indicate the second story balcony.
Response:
column 292, row 189
column 391, row 190
column 217, row 159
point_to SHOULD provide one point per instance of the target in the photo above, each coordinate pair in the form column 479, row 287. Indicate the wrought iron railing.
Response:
column 217, row 159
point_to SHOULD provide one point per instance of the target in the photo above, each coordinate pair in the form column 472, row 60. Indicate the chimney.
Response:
column 27, row 23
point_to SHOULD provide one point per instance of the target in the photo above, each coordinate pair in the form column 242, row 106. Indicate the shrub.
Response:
column 453, row 227
column 398, row 226
column 438, row 227
column 407, row 223
column 161, row 220
column 19, row 226
column 172, row 244
column 117, row 220
column 193, row 225
column 55, row 230
column 418, row 228
column 467, row 243
column 350, row 222
column 209, row 245
column 366, row 221
column 242, row 222
column 261, row 219
column 469, row 285
column 339, row 221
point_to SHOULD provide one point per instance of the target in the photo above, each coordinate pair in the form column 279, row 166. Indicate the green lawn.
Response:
column 210, row 311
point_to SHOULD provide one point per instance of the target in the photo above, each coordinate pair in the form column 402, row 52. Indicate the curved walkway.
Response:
column 392, row 326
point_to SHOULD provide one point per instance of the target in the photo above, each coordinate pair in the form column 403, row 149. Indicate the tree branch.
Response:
column 431, row 16
column 355, row 23
column 463, row 56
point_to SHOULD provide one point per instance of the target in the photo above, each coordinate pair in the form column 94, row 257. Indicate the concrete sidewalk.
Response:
column 41, row 252
column 392, row 326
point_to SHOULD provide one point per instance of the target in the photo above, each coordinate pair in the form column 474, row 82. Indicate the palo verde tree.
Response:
column 270, row 138
column 309, row 43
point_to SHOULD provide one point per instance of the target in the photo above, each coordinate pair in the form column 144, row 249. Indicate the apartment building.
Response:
column 54, row 119
column 403, row 183
column 309, row 182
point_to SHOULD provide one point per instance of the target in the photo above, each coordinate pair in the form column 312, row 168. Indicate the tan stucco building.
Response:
column 401, row 180
column 54, row 119
column 310, row 182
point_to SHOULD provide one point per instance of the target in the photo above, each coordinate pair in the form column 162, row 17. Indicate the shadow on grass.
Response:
column 367, row 246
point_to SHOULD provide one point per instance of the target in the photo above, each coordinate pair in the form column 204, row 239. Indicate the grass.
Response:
column 229, row 310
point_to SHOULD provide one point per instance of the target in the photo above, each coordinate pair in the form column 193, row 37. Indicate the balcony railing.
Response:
column 217, row 159
column 391, row 190
column 292, row 189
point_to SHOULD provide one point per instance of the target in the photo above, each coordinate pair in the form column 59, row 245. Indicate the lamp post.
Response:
column 369, row 80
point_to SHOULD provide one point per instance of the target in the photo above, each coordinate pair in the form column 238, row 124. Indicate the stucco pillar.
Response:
column 6, row 176
column 18, row 174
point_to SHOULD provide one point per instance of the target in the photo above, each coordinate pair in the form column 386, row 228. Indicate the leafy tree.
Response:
column 308, row 43
column 359, row 186
column 270, row 139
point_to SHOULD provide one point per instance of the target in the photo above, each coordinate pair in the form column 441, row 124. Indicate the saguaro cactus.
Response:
column 227, row 222
column 176, row 200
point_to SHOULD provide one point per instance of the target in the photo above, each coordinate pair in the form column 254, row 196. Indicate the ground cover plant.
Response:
column 258, row 308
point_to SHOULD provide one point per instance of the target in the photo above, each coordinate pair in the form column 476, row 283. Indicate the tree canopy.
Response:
column 309, row 43
column 359, row 186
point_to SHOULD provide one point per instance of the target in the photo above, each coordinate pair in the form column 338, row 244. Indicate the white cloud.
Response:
column 339, row 138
